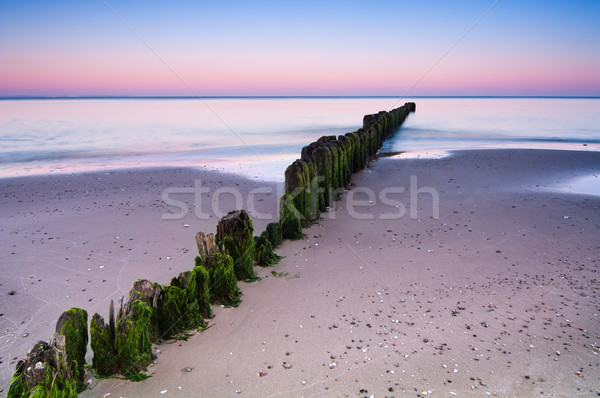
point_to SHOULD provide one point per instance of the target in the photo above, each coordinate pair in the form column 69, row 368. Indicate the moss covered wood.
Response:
column 104, row 346
column 347, row 158
column 223, row 282
column 313, row 188
column 73, row 324
column 335, row 165
column 202, row 289
column 151, row 294
column 273, row 233
column 45, row 372
column 235, row 235
column 323, row 163
column 290, row 219
column 264, row 253
column 294, row 185
column 333, row 161
column 179, row 309
column 134, row 344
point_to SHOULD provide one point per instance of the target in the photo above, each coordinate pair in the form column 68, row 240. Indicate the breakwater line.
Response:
column 152, row 313
column 326, row 166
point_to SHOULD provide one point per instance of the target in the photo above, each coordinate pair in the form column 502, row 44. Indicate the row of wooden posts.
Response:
column 324, row 170
column 153, row 312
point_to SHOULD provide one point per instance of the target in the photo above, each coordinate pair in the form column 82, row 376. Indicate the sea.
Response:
column 259, row 137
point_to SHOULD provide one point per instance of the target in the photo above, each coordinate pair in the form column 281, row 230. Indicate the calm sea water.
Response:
column 259, row 137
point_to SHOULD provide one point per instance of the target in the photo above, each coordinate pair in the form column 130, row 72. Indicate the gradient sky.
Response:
column 404, row 48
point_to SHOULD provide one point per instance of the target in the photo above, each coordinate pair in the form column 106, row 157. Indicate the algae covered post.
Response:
column 235, row 236
column 55, row 368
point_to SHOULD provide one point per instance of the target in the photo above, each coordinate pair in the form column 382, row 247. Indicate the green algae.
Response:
column 235, row 237
column 273, row 233
column 134, row 345
column 55, row 386
column 73, row 325
column 264, row 253
column 102, row 341
column 178, row 311
column 17, row 387
column 202, row 290
column 289, row 219
column 223, row 283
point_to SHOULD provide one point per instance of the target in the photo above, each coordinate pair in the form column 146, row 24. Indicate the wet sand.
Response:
column 498, row 295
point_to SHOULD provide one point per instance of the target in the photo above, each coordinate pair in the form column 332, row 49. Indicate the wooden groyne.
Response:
column 152, row 312
column 325, row 167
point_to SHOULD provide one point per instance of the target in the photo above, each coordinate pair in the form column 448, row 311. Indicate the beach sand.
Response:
column 498, row 294
column 81, row 240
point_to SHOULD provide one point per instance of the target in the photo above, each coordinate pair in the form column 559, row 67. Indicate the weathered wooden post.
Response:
column 223, row 282
column 55, row 368
column 235, row 237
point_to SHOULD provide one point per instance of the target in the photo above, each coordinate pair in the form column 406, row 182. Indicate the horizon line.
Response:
column 66, row 97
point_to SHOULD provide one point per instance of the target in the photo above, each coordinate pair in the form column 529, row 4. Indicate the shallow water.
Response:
column 589, row 185
column 259, row 137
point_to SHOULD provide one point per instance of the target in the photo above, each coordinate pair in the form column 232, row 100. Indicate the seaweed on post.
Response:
column 333, row 151
column 202, row 288
column 294, row 185
column 323, row 163
column 179, row 310
column 346, row 144
column 151, row 294
column 104, row 345
column 312, row 188
column 290, row 219
column 273, row 233
column 264, row 253
column 235, row 235
column 223, row 283
column 134, row 344
column 45, row 372
column 73, row 325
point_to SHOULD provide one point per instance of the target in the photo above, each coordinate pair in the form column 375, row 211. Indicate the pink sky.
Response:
column 491, row 48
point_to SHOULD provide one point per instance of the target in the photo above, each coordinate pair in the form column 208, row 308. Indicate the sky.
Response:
column 397, row 48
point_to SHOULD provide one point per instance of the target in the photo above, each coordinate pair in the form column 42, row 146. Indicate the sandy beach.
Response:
column 496, row 295
column 81, row 240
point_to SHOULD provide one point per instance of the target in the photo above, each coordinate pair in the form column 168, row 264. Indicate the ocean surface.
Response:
column 259, row 137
